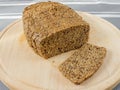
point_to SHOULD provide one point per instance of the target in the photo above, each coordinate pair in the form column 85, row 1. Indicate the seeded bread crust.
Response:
column 83, row 63
column 52, row 28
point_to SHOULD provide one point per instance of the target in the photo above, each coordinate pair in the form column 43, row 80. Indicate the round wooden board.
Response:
column 22, row 69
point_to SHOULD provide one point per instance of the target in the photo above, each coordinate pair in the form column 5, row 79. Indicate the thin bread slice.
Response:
column 83, row 63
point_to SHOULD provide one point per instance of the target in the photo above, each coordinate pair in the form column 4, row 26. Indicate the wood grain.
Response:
column 22, row 69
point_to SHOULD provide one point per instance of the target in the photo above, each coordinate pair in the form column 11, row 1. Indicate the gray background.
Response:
column 11, row 10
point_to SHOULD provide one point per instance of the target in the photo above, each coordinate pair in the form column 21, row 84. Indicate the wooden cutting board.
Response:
column 22, row 69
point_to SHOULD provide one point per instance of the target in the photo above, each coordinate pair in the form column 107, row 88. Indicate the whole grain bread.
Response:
column 83, row 63
column 52, row 28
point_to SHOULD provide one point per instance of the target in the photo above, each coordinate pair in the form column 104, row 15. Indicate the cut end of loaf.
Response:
column 83, row 63
column 63, row 41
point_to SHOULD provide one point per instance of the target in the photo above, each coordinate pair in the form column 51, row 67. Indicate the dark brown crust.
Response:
column 45, row 19
column 83, row 63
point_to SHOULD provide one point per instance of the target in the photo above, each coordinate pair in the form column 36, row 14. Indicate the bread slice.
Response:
column 83, row 63
column 52, row 28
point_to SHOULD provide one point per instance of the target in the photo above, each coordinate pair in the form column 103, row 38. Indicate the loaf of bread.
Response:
column 52, row 28
column 83, row 63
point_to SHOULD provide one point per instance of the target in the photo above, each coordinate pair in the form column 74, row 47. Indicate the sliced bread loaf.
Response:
column 52, row 28
column 83, row 63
